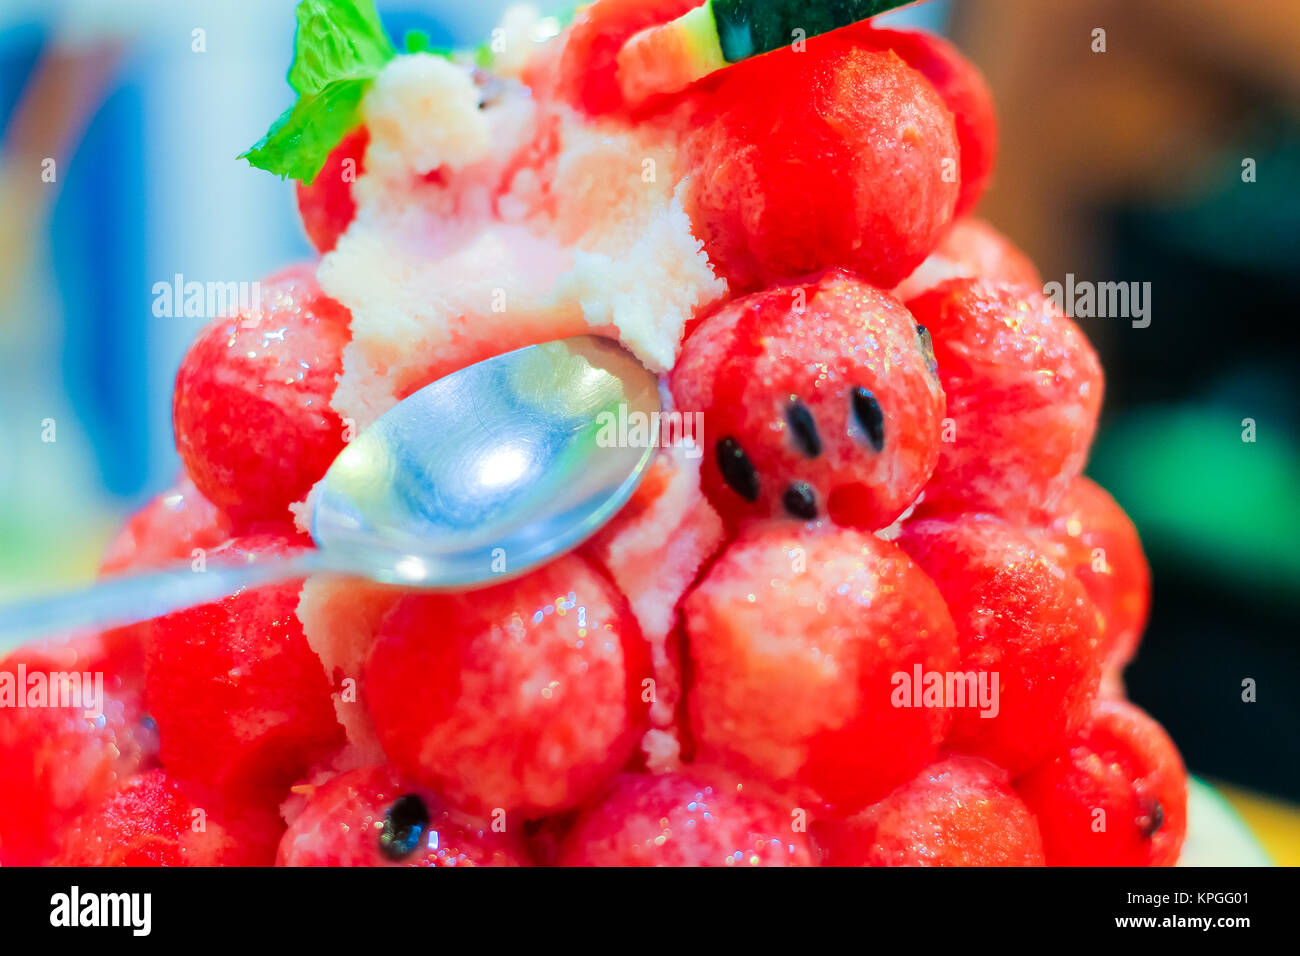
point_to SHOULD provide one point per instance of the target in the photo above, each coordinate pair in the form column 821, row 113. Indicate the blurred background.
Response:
column 1164, row 150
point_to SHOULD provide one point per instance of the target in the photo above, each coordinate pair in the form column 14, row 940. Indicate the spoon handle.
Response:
column 117, row 601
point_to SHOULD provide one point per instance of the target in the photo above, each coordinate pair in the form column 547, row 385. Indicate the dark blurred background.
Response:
column 1123, row 165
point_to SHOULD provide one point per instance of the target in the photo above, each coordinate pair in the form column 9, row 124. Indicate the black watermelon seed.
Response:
column 803, row 428
column 405, row 823
column 867, row 411
column 800, row 501
column 927, row 350
column 737, row 470
column 1152, row 821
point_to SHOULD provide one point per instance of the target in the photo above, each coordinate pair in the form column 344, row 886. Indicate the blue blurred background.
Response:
column 1117, row 165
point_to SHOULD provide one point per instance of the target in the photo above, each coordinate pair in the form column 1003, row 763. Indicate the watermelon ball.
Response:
column 251, row 409
column 55, row 762
column 1024, row 390
column 154, row 820
column 798, row 640
column 588, row 69
column 326, row 206
column 242, row 703
column 962, row 89
column 93, row 652
column 970, row 249
column 525, row 696
column 959, row 811
column 166, row 530
column 818, row 398
column 116, row 654
column 686, row 819
column 1114, row 795
column 1021, row 621
column 1100, row 546
column 839, row 161
column 372, row 817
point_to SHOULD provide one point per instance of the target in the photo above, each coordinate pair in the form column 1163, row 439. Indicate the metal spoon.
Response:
column 473, row 479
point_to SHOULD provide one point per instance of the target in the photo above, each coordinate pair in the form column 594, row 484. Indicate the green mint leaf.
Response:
column 339, row 48
column 298, row 143
column 337, row 40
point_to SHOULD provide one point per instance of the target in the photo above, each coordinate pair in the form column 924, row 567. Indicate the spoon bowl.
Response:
column 489, row 472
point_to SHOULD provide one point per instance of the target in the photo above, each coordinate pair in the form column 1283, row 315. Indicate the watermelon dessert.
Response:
column 871, row 614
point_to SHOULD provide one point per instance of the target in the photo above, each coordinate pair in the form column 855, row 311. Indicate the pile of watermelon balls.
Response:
column 510, row 718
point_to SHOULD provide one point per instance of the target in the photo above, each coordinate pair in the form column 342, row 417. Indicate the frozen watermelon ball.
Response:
column 154, row 820
column 166, row 530
column 326, row 204
column 241, row 701
column 1115, row 794
column 959, row 811
column 795, row 640
column 1025, row 628
column 1100, row 546
column 971, row 248
column 687, row 819
column 834, row 155
column 169, row 530
column 372, row 817
column 962, row 89
column 251, row 410
column 818, row 398
column 526, row 696
column 55, row 762
column 1024, row 390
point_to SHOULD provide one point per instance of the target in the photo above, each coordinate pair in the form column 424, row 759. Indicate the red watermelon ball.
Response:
column 326, row 205
column 1114, row 794
column 241, row 701
column 962, row 89
column 832, row 156
column 686, row 819
column 796, row 644
column 1021, row 621
column 166, row 530
column 526, row 696
column 1024, row 390
column 56, row 761
column 251, row 409
column 1100, row 546
column 154, row 820
column 817, row 397
column 971, row 248
column 958, row 811
column 373, row 817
